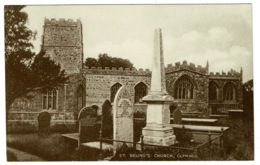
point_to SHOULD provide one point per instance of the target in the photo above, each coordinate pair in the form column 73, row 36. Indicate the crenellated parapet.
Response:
column 231, row 74
column 117, row 71
column 61, row 22
column 185, row 66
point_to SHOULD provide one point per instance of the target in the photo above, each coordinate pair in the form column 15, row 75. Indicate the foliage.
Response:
column 239, row 141
column 25, row 71
column 107, row 61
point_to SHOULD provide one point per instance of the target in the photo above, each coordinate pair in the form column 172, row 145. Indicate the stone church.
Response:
column 194, row 88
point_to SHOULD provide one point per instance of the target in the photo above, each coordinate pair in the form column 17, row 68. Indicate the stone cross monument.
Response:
column 158, row 100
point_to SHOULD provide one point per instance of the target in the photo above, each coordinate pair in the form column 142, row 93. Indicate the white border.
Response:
column 256, row 53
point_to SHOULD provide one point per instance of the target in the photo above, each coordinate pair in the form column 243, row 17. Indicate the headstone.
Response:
column 123, row 118
column 44, row 123
column 177, row 116
column 107, row 120
column 89, row 126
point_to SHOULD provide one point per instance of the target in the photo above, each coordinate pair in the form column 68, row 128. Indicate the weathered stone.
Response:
column 123, row 117
column 158, row 113
column 44, row 120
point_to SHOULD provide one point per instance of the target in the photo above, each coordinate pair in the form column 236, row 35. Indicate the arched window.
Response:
column 80, row 97
column 183, row 89
column 49, row 99
column 114, row 89
column 212, row 91
column 229, row 92
column 140, row 91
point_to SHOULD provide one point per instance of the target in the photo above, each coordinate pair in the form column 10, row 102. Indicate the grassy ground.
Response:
column 11, row 157
column 239, row 144
column 50, row 148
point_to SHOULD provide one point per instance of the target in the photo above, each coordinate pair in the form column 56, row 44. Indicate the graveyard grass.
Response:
column 239, row 145
column 50, row 148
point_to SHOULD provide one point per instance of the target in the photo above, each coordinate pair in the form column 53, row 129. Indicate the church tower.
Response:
column 62, row 41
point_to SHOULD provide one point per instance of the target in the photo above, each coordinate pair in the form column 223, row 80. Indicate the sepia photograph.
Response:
column 129, row 82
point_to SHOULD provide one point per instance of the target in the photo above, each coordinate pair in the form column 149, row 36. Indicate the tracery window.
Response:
column 49, row 99
column 140, row 91
column 114, row 89
column 212, row 91
column 183, row 89
column 229, row 92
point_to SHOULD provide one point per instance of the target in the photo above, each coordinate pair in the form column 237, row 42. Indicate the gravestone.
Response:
column 123, row 118
column 44, row 123
column 177, row 116
column 89, row 125
column 107, row 120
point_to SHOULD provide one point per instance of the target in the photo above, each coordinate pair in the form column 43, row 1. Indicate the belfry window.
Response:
column 229, row 92
column 140, row 91
column 49, row 99
column 212, row 91
column 183, row 89
column 114, row 89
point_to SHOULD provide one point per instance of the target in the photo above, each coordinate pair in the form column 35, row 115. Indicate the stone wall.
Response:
column 200, row 81
column 221, row 105
column 99, row 82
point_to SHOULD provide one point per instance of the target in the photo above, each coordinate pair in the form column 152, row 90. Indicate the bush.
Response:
column 239, row 141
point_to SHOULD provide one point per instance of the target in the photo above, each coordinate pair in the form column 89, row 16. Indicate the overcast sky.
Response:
column 221, row 34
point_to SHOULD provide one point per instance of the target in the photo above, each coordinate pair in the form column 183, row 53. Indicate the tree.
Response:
column 91, row 62
column 26, row 72
column 107, row 61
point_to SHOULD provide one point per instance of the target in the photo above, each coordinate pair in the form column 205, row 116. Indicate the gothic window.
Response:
column 183, row 89
column 80, row 97
column 140, row 91
column 212, row 91
column 229, row 92
column 114, row 89
column 49, row 99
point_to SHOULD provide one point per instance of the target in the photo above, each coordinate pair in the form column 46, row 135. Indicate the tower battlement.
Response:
column 184, row 65
column 61, row 22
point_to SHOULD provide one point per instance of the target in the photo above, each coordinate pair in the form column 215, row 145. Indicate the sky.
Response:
column 221, row 34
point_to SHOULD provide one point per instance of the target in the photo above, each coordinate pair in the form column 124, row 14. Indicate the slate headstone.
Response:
column 107, row 120
column 44, row 123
